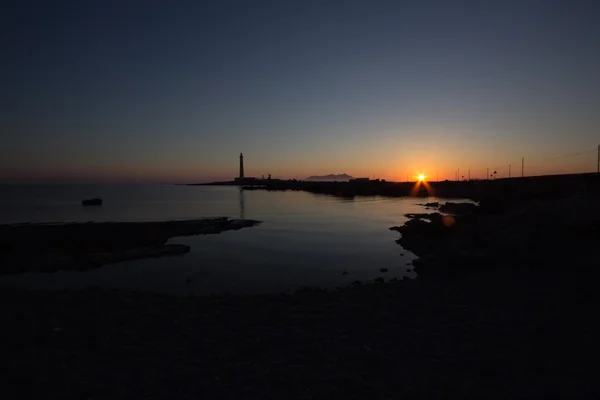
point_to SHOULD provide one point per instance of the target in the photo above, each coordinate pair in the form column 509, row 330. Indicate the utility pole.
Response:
column 509, row 170
column 458, row 174
column 488, row 174
column 469, row 175
column 522, row 167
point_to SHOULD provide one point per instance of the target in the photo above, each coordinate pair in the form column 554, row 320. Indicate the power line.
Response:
column 532, row 165
column 540, row 161
column 570, row 154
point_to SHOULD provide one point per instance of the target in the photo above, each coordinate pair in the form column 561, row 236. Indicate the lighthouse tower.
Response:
column 241, row 167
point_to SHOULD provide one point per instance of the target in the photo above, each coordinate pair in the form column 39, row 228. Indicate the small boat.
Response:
column 91, row 202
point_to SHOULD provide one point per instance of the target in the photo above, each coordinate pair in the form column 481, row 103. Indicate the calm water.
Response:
column 304, row 239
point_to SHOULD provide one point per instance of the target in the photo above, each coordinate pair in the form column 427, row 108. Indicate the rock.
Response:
column 99, row 259
column 420, row 236
column 236, row 224
column 495, row 204
column 434, row 217
column 459, row 208
column 52, row 247
column 422, row 223
column 432, row 205
column 91, row 202
column 383, row 269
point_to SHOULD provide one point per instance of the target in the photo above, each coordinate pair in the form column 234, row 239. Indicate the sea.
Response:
column 304, row 239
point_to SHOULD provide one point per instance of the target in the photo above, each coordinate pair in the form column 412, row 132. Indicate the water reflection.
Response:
column 309, row 240
column 242, row 204
column 331, row 198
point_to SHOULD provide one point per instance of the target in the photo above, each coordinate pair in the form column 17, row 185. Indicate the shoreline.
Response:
column 512, row 322
column 514, row 189
column 483, row 335
column 64, row 246
column 542, row 234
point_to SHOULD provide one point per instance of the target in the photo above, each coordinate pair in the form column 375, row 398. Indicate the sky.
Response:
column 173, row 91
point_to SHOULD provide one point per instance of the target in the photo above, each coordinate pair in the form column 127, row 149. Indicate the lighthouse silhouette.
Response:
column 241, row 167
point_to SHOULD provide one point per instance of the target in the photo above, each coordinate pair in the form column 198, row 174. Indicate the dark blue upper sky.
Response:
column 174, row 90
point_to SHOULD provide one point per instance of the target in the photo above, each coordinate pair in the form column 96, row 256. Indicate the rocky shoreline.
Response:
column 536, row 233
column 53, row 247
column 502, row 308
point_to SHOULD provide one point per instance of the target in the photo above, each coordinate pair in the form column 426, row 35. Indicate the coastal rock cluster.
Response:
column 546, row 233
column 52, row 247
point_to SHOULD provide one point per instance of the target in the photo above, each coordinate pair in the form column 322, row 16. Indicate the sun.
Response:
column 421, row 177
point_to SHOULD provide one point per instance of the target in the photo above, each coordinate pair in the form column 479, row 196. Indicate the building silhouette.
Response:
column 242, row 179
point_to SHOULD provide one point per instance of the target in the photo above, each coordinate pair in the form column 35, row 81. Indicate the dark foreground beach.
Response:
column 505, row 307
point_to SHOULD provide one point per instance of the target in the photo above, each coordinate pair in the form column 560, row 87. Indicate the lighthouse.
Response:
column 241, row 178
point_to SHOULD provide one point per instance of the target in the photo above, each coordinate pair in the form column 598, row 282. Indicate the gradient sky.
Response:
column 173, row 91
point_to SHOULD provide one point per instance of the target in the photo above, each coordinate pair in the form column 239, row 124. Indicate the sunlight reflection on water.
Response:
column 304, row 240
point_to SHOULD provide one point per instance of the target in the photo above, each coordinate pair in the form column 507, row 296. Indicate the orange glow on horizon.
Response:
column 417, row 187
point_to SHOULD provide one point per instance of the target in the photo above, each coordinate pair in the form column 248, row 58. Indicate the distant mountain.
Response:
column 329, row 178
